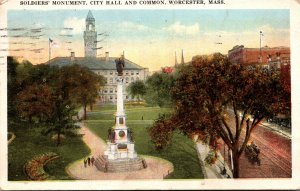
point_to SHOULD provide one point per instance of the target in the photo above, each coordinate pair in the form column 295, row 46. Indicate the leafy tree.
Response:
column 137, row 89
column 158, row 89
column 61, row 120
column 165, row 127
column 35, row 101
column 211, row 89
column 12, row 65
column 51, row 94
column 81, row 85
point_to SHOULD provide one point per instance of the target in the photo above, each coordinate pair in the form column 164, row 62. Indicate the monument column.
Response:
column 120, row 154
column 120, row 102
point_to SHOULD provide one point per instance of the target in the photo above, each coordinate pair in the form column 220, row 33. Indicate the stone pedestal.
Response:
column 120, row 146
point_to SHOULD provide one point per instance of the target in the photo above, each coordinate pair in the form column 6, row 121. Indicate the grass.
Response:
column 181, row 152
column 132, row 113
column 29, row 142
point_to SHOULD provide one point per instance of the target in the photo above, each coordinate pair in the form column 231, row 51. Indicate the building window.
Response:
column 110, row 97
column 137, row 73
column 105, row 91
column 132, row 79
column 126, row 80
column 111, row 73
column 132, row 72
column 111, row 80
column 111, row 90
column 127, row 73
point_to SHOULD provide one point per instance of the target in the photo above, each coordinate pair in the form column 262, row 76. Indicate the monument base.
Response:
column 120, row 165
column 117, row 151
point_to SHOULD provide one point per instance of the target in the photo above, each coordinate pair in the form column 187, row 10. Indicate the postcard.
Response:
column 149, row 94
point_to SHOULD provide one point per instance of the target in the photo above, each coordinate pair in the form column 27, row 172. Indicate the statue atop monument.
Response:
column 120, row 64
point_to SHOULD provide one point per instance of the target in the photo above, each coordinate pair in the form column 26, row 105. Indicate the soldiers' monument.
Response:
column 120, row 154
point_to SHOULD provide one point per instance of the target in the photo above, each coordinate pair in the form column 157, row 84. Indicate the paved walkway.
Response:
column 213, row 171
column 13, row 136
column 157, row 168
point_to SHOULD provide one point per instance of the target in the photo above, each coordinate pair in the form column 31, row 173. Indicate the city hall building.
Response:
column 104, row 66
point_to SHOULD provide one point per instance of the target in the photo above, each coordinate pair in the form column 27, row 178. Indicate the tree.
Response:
column 12, row 65
column 61, row 119
column 35, row 101
column 137, row 89
column 81, row 85
column 158, row 89
column 163, row 125
column 212, row 88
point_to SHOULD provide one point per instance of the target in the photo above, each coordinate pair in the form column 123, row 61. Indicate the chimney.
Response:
column 182, row 58
column 106, row 56
column 72, row 56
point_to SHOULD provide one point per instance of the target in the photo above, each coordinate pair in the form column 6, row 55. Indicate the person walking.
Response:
column 89, row 161
column 92, row 160
column 85, row 163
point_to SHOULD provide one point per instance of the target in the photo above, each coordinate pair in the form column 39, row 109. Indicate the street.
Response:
column 275, row 155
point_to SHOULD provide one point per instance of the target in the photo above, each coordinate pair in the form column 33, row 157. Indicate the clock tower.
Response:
column 90, row 36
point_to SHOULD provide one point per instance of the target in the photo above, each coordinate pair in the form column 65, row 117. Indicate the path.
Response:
column 157, row 167
column 13, row 136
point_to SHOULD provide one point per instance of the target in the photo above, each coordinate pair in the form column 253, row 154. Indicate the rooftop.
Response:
column 99, row 63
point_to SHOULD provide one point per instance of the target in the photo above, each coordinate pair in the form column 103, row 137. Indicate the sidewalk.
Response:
column 284, row 131
column 213, row 171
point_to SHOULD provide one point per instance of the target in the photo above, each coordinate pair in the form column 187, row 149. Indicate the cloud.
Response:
column 133, row 26
column 77, row 24
column 179, row 28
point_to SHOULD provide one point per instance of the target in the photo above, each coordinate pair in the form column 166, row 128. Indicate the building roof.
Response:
column 90, row 16
column 93, row 63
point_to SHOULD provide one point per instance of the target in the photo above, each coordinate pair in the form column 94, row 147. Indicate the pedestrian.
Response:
column 89, row 161
column 142, row 117
column 84, row 162
column 92, row 160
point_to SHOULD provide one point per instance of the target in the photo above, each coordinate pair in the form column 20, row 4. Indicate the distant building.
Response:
column 251, row 56
column 104, row 66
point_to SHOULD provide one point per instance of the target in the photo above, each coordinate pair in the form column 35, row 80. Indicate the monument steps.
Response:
column 105, row 165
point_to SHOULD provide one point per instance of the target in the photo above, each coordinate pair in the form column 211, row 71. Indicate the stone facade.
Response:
column 104, row 66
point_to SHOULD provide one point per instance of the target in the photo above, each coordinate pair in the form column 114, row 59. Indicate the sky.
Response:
column 149, row 38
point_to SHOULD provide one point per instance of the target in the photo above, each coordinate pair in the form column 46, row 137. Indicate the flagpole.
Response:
column 260, row 34
column 49, row 51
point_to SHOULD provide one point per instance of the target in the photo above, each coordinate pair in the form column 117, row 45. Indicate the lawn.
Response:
column 181, row 153
column 132, row 112
column 29, row 142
